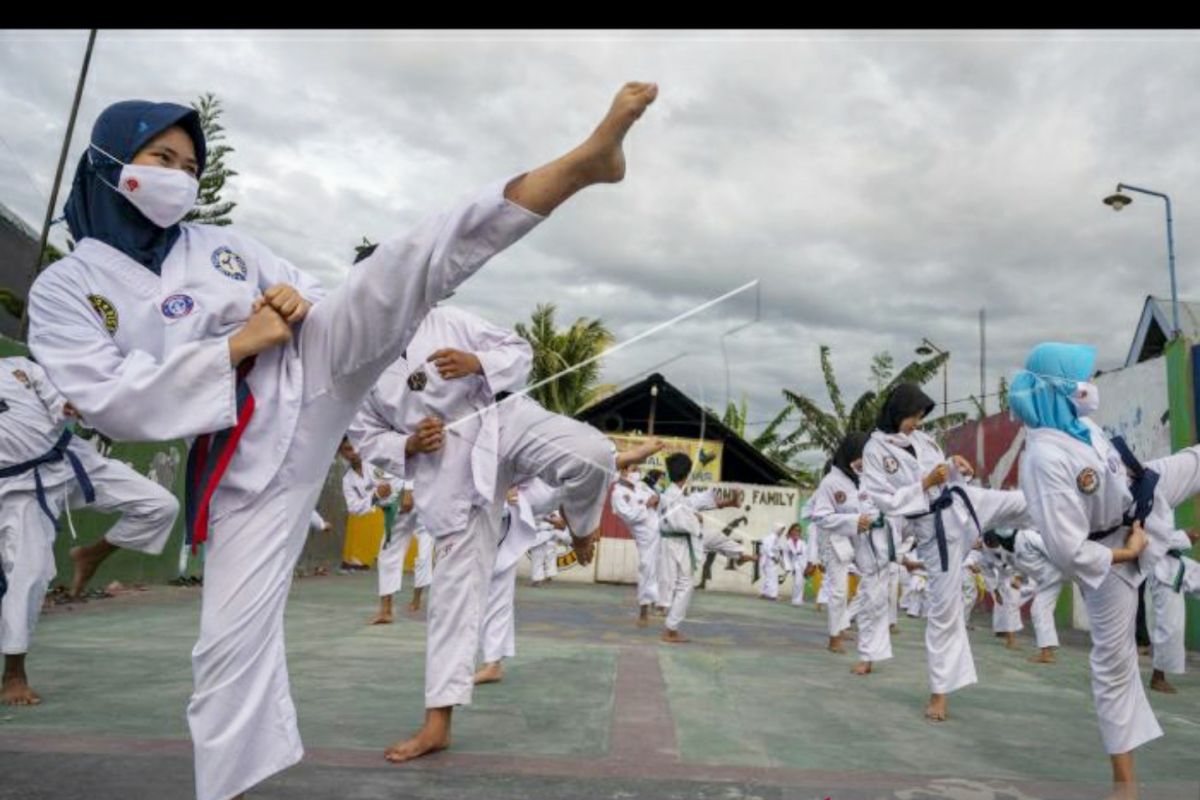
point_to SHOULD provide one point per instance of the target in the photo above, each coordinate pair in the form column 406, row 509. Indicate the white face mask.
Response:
column 1086, row 398
column 163, row 195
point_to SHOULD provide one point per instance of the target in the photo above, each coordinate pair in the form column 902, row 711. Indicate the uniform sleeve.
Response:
column 316, row 522
column 825, row 516
column 358, row 499
column 625, row 505
column 130, row 396
column 273, row 269
column 1059, row 514
column 888, row 498
column 702, row 501
column 505, row 357
column 46, row 392
column 375, row 438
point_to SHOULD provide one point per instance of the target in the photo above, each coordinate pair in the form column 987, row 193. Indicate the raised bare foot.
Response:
column 489, row 673
column 674, row 637
column 603, row 155
column 861, row 668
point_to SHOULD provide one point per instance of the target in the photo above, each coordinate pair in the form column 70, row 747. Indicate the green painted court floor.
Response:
column 591, row 707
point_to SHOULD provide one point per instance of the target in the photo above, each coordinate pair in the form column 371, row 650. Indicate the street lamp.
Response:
column 1118, row 201
column 928, row 348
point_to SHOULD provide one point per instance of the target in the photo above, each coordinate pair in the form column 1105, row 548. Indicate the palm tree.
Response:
column 823, row 430
column 555, row 351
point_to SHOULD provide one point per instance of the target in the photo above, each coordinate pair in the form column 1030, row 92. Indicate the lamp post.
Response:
column 1117, row 202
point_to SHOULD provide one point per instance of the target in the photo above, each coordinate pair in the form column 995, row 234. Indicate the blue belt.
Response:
column 55, row 454
column 940, row 504
column 1142, row 486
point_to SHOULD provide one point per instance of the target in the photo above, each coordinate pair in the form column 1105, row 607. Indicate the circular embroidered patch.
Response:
column 891, row 465
column 839, row 497
column 1088, row 481
column 229, row 264
column 177, row 306
column 418, row 380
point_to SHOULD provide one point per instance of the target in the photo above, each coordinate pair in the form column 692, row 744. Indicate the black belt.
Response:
column 940, row 504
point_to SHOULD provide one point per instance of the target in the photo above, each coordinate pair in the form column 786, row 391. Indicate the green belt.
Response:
column 389, row 517
column 1177, row 584
column 682, row 535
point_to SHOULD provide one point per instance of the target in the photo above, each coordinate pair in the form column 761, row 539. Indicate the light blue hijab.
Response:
column 1040, row 396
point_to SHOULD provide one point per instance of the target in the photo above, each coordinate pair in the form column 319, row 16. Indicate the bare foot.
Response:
column 489, row 673
column 835, row 645
column 894, row 629
column 1159, row 683
column 936, row 710
column 643, row 616
column 661, row 611
column 674, row 637
column 861, row 668
column 585, row 548
column 1045, row 656
column 415, row 605
column 381, row 619
column 1010, row 642
column 15, row 691
column 433, row 736
column 602, row 155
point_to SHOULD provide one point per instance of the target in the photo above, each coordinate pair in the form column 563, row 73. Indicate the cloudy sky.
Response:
column 882, row 187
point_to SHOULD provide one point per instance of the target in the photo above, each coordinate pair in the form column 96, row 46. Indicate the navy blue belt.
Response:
column 939, row 505
column 55, row 454
column 1142, row 484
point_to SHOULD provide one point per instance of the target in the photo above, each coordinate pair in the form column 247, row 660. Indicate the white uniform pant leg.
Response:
column 462, row 575
column 893, row 593
column 837, row 579
column 537, row 560
column 970, row 592
column 148, row 511
column 855, row 605
column 363, row 325
column 770, row 580
column 1042, row 613
column 647, row 585
column 666, row 573
column 27, row 557
column 1126, row 719
column 241, row 715
column 498, row 640
column 874, row 638
column 391, row 563
column 1008, row 619
column 951, row 666
column 242, row 719
column 681, row 589
column 798, row 585
column 1166, row 637
column 823, row 592
column 423, row 566
column 551, row 556
column 564, row 453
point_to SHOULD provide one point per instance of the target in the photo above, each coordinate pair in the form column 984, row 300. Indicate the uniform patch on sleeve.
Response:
column 1088, row 481
column 839, row 497
column 891, row 465
column 106, row 311
column 20, row 375
column 417, row 380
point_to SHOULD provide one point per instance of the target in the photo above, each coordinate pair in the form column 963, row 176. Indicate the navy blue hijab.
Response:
column 96, row 210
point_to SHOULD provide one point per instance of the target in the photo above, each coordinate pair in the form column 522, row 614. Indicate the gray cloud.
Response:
column 883, row 187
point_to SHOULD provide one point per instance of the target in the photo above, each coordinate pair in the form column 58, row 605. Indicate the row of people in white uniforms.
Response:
column 158, row 330
column 44, row 470
column 784, row 552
